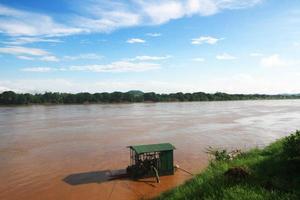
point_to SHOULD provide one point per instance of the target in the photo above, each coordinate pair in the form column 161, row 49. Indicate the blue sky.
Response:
column 233, row 46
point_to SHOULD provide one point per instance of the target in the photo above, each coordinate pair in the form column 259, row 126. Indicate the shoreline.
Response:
column 254, row 174
column 12, row 98
column 148, row 102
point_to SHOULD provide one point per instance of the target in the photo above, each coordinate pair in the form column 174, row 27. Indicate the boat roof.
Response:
column 147, row 148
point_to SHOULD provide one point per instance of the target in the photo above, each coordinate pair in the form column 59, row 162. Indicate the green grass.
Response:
column 272, row 176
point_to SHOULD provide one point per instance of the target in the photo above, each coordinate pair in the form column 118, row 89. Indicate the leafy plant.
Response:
column 291, row 145
column 219, row 155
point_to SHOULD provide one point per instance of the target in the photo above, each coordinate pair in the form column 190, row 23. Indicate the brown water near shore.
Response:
column 68, row 152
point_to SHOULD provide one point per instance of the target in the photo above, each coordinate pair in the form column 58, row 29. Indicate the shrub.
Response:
column 219, row 155
column 291, row 145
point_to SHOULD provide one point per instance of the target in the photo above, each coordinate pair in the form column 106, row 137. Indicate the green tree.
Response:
column 8, row 97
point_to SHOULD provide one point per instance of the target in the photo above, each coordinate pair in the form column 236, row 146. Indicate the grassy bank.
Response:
column 269, row 173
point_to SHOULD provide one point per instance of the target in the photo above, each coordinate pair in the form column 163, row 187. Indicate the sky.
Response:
column 164, row 46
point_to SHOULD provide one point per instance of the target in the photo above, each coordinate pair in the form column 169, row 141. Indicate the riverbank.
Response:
column 12, row 98
column 269, row 173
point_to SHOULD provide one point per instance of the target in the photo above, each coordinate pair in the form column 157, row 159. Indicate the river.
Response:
column 43, row 146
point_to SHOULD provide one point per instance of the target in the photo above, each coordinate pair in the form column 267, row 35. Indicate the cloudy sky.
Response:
column 233, row 46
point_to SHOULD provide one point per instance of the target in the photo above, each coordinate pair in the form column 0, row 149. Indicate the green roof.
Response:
column 152, row 148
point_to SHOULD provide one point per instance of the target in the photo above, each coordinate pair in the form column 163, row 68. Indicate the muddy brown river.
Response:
column 68, row 151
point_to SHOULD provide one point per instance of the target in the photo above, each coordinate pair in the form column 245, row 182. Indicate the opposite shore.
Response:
column 134, row 96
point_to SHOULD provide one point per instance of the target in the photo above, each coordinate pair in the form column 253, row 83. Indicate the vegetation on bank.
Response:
column 269, row 173
column 12, row 98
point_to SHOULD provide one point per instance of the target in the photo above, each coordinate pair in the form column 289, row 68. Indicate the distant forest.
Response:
column 12, row 98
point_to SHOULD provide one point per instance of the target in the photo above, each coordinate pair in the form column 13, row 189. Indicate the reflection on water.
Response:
column 66, row 152
column 93, row 177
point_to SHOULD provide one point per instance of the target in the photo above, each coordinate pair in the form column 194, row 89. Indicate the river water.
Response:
column 68, row 151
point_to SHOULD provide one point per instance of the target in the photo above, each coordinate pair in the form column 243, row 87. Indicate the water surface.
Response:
column 68, row 151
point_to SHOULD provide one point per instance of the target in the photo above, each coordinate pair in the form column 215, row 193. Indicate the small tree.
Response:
column 291, row 145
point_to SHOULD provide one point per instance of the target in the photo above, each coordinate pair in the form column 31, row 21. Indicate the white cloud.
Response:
column 26, row 53
column 106, row 21
column 135, row 40
column 274, row 61
column 22, row 23
column 296, row 44
column 235, row 83
column 18, row 50
column 255, row 54
column 25, row 58
column 3, row 89
column 65, row 85
column 225, row 56
column 87, row 56
column 198, row 59
column 118, row 66
column 154, row 34
column 160, row 12
column 37, row 69
column 43, row 58
column 26, row 40
column 205, row 39
column 136, row 64
column 49, row 58
column 204, row 7
column 39, row 85
column 98, row 16
column 253, row 84
column 147, row 58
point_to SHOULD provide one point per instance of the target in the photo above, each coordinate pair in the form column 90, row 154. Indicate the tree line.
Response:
column 12, row 98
